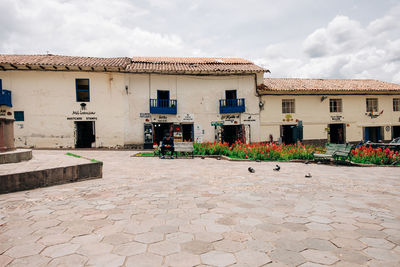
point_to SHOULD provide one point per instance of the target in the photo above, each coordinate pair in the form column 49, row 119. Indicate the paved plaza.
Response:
column 205, row 212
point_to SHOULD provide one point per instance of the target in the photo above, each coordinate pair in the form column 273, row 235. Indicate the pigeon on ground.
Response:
column 218, row 158
column 307, row 162
column 319, row 162
column 394, row 162
column 257, row 160
column 250, row 169
column 277, row 168
column 308, row 175
column 202, row 157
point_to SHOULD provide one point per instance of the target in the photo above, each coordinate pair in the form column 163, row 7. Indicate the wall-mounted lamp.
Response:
column 323, row 98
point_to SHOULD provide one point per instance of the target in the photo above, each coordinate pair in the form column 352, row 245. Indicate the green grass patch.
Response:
column 81, row 157
column 145, row 154
column 73, row 155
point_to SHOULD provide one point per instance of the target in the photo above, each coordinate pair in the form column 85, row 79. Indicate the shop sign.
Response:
column 187, row 117
column 198, row 133
column 216, row 123
column 249, row 119
column 230, row 118
column 336, row 118
column 160, row 118
column 6, row 112
column 82, row 115
column 144, row 115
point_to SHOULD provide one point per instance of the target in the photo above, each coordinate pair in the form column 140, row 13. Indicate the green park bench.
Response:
column 337, row 152
column 342, row 153
column 186, row 147
column 330, row 149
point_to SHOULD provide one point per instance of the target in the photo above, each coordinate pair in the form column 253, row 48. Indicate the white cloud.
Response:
column 89, row 28
column 345, row 49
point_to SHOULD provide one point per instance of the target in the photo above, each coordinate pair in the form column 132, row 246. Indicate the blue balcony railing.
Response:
column 231, row 105
column 163, row 106
column 5, row 98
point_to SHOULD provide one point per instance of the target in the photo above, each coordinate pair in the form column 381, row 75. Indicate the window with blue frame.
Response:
column 82, row 90
column 19, row 116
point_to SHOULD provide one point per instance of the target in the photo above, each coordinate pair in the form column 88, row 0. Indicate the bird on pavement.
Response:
column 308, row 175
column 277, row 168
column 307, row 162
column 250, row 169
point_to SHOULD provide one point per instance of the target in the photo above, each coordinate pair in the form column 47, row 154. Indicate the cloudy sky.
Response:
column 292, row 38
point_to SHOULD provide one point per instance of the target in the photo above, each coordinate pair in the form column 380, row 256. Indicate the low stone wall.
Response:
column 15, row 156
column 47, row 177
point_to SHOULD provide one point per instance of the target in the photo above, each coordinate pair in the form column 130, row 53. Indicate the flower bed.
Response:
column 258, row 151
column 378, row 156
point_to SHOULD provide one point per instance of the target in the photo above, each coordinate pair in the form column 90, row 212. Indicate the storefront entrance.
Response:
column 373, row 134
column 232, row 133
column 160, row 130
column 395, row 131
column 187, row 132
column 337, row 133
column 85, row 134
column 288, row 134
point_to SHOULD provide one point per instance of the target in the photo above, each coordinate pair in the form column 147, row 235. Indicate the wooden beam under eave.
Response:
column 2, row 68
column 55, row 67
column 66, row 67
column 15, row 67
column 79, row 68
column 105, row 69
column 43, row 68
column 92, row 68
column 28, row 67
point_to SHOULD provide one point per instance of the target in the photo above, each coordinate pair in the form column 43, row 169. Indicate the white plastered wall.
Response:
column 316, row 116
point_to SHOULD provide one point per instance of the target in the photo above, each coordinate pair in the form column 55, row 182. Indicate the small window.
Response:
column 288, row 106
column 19, row 116
column 335, row 105
column 230, row 94
column 163, row 94
column 82, row 90
column 372, row 104
column 396, row 104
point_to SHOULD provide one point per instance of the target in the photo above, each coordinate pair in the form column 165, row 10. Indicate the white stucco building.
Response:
column 63, row 102
column 336, row 111
column 67, row 102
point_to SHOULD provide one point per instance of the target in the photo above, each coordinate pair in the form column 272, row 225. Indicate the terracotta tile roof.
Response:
column 188, row 60
column 64, row 60
column 282, row 85
column 135, row 64
column 193, row 65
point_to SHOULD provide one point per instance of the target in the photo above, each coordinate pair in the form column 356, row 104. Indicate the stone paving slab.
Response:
column 204, row 212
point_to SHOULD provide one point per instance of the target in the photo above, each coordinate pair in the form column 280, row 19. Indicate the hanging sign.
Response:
column 216, row 123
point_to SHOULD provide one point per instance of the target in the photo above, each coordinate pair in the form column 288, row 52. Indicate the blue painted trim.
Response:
column 5, row 98
column 232, row 105
column 82, row 90
column 163, row 106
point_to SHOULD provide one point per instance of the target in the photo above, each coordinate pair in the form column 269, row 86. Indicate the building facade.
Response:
column 66, row 102
column 83, row 102
column 336, row 111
